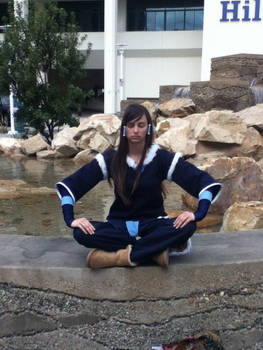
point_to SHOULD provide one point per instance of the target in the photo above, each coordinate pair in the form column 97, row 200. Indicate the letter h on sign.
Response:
column 235, row 8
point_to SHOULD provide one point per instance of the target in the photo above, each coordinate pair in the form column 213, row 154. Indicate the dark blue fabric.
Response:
column 68, row 214
column 156, row 235
column 67, row 209
column 202, row 209
column 147, row 199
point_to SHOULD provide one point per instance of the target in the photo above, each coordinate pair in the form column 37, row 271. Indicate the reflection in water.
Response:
column 42, row 215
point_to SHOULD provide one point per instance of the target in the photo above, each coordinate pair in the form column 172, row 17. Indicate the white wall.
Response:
column 232, row 37
column 144, row 75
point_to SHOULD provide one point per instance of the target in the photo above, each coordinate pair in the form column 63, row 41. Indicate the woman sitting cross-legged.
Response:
column 137, row 229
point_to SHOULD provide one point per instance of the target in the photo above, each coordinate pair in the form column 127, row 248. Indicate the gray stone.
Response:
column 24, row 323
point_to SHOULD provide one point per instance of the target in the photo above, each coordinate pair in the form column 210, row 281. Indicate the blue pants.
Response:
column 155, row 235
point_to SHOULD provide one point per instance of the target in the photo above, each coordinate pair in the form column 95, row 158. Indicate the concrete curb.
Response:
column 217, row 261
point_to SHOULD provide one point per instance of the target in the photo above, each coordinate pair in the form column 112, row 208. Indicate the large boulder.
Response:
column 176, row 139
column 241, row 177
column 10, row 146
column 233, row 94
column 176, row 108
column 64, row 143
column 252, row 146
column 219, row 126
column 33, row 145
column 253, row 116
column 49, row 154
column 104, row 127
column 151, row 107
column 242, row 216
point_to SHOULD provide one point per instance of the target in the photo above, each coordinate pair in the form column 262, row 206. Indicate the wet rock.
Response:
column 49, row 154
column 18, row 188
column 176, row 108
column 64, row 143
column 33, row 145
column 242, row 216
column 241, row 177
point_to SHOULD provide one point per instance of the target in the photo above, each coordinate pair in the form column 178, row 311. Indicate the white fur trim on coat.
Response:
column 173, row 165
column 149, row 157
column 100, row 159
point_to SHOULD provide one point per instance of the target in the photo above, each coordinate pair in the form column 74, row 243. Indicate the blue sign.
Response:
column 233, row 11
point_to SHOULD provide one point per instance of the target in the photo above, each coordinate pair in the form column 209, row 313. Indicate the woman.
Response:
column 137, row 229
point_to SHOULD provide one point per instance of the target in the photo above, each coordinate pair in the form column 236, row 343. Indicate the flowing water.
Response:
column 41, row 215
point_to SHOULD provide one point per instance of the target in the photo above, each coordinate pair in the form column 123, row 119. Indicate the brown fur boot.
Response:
column 99, row 258
column 162, row 259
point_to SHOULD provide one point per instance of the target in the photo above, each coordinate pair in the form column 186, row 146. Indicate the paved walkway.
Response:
column 48, row 299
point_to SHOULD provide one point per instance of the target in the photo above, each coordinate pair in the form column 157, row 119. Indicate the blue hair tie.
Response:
column 149, row 129
column 124, row 131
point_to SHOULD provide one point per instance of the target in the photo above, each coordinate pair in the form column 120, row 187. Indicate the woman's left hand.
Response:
column 183, row 219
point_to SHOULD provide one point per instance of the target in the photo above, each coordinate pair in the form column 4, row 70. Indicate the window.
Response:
column 89, row 14
column 3, row 12
column 176, row 15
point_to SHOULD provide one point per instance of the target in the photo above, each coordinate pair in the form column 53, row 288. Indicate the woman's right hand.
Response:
column 85, row 225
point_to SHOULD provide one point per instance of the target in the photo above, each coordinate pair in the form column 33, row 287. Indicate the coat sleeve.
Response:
column 189, row 177
column 84, row 179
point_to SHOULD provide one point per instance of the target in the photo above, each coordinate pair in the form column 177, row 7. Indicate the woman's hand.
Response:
column 84, row 224
column 183, row 219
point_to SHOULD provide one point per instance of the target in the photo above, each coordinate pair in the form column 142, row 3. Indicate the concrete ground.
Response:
column 50, row 300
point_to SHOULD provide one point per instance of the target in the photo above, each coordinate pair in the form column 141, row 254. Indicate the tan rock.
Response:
column 211, row 220
column 10, row 146
column 83, row 142
column 242, row 216
column 220, row 126
column 34, row 144
column 18, row 188
column 176, row 139
column 103, row 123
column 252, row 116
column 64, row 143
column 177, row 108
column 49, row 154
column 252, row 146
column 151, row 109
column 241, row 177
column 99, row 144
column 85, row 156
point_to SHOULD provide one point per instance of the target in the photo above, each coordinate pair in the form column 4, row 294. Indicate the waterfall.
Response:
column 183, row 92
column 258, row 93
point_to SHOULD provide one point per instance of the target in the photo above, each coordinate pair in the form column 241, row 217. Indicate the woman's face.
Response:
column 136, row 130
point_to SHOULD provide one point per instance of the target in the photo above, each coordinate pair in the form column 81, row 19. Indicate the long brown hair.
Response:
column 119, row 163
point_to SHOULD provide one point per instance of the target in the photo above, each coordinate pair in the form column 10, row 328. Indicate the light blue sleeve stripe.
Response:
column 206, row 195
column 67, row 200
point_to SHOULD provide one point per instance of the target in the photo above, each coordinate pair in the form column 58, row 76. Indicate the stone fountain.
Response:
column 236, row 83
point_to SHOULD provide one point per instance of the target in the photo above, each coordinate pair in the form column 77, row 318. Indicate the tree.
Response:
column 39, row 57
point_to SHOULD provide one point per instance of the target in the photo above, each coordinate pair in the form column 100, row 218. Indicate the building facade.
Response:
column 138, row 45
